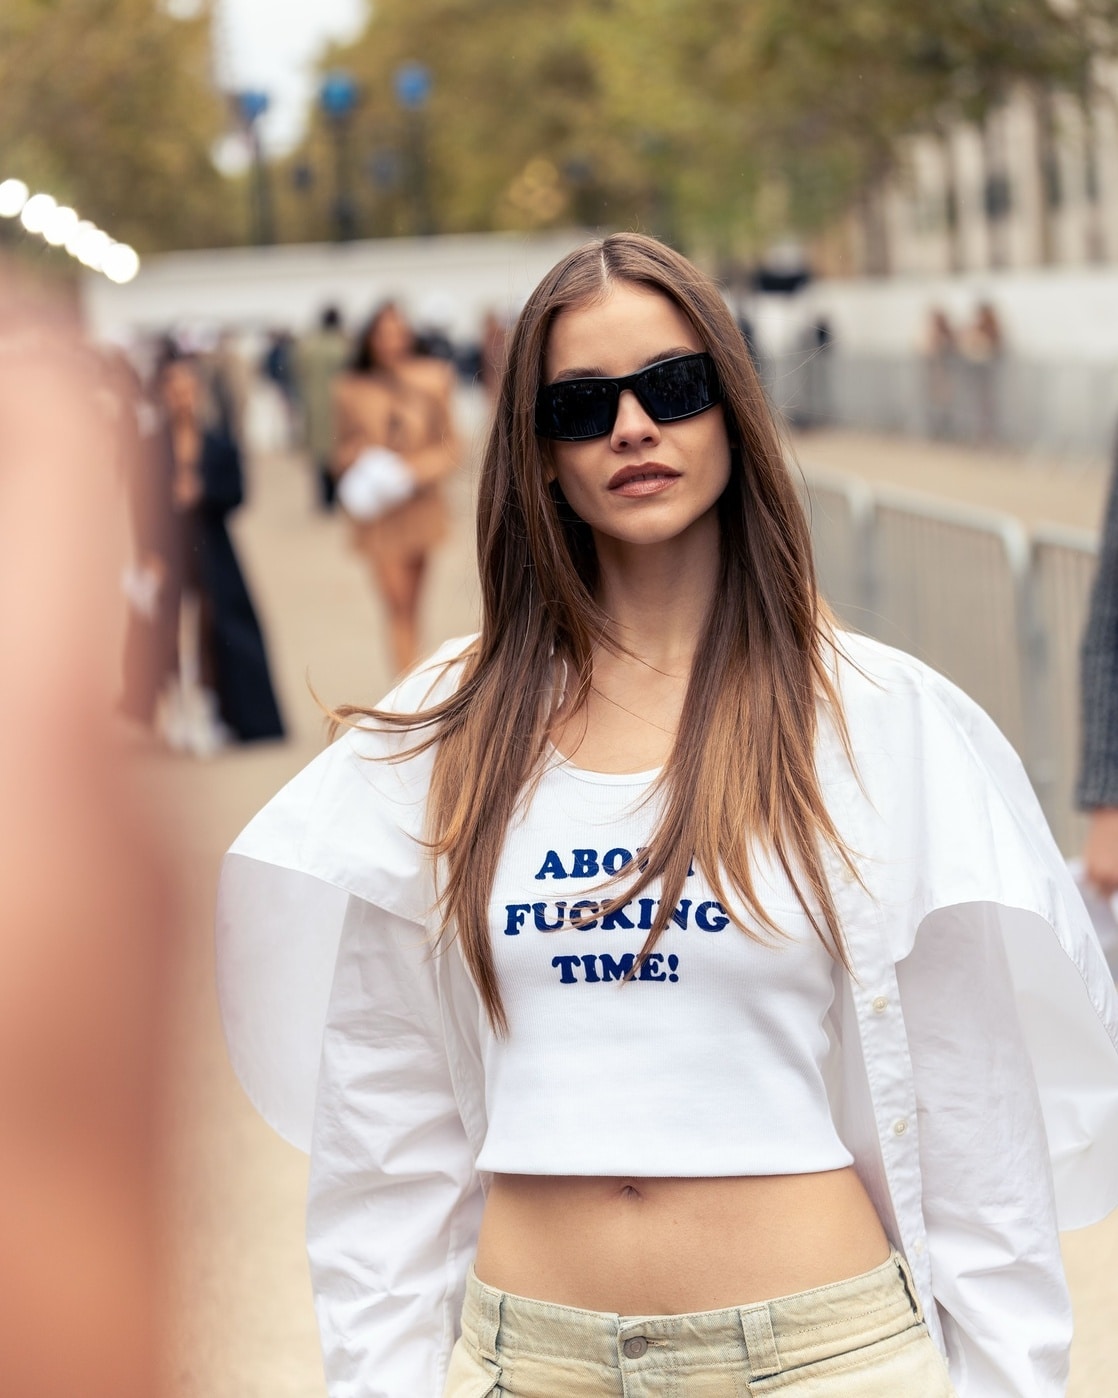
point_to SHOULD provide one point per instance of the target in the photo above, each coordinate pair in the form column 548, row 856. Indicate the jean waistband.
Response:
column 771, row 1336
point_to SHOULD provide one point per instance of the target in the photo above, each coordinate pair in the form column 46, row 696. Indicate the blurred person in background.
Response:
column 320, row 356
column 748, row 333
column 193, row 479
column 1097, row 788
column 229, row 379
column 152, row 576
column 393, row 423
column 818, row 398
column 90, row 918
column 940, row 358
column 983, row 345
column 690, row 985
column 431, row 333
column 278, row 367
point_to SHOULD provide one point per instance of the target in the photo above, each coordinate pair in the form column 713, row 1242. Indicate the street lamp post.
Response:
column 251, row 106
column 338, row 98
column 413, row 89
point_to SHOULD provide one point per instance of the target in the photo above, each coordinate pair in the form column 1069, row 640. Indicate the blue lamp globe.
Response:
column 252, row 105
column 338, row 95
column 413, row 85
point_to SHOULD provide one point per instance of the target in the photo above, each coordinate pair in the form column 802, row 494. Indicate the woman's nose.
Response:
column 633, row 422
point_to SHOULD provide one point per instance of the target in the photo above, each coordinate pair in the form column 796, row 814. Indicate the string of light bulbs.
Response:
column 62, row 227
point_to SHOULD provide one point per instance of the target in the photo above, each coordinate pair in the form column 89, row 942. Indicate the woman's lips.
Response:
column 649, row 478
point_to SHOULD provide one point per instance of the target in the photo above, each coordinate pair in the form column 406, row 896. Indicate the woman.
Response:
column 717, row 1081
column 983, row 346
column 941, row 352
column 190, row 481
column 397, row 400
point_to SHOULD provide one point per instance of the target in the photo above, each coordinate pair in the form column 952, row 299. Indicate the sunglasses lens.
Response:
column 677, row 388
column 580, row 409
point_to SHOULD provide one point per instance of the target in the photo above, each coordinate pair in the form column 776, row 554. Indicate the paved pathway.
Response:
column 1036, row 490
column 242, row 1309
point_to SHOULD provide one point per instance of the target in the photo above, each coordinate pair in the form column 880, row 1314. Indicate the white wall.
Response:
column 448, row 281
column 1064, row 314
column 1059, row 314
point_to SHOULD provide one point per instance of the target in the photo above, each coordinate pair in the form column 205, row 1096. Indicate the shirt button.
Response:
column 635, row 1347
column 880, row 1005
column 900, row 1127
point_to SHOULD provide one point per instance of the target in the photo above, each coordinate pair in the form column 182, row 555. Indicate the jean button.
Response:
column 635, row 1347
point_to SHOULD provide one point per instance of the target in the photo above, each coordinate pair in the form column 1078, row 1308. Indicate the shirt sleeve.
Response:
column 989, row 1208
column 394, row 1202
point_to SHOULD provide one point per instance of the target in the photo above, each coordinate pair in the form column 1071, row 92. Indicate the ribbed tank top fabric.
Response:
column 710, row 1062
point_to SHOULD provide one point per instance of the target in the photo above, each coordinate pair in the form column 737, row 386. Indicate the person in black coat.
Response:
column 191, row 480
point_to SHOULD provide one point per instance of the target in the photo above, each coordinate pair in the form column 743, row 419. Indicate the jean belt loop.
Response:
column 760, row 1342
column 489, row 1323
column 909, row 1285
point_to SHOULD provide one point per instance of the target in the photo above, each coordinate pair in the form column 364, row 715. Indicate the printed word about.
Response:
column 589, row 864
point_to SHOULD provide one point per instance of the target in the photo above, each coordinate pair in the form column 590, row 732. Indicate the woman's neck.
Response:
column 659, row 596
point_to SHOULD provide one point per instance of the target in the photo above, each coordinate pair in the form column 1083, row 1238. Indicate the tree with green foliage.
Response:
column 705, row 120
column 110, row 106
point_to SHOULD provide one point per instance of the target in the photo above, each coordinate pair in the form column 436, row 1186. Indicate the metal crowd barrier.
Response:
column 840, row 509
column 969, row 591
column 1021, row 403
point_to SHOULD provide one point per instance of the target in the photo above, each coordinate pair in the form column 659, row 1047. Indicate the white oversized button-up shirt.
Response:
column 974, row 1077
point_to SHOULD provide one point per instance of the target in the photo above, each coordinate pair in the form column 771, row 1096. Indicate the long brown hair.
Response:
column 742, row 767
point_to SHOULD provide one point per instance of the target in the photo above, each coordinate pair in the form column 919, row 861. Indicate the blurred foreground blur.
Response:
column 89, row 926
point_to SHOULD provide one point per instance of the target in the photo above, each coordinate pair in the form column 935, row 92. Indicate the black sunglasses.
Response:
column 574, row 410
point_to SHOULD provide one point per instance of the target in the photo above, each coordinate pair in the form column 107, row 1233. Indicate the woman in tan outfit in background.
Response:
column 391, row 397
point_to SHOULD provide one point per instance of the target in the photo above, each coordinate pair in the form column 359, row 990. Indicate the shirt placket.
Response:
column 885, row 1052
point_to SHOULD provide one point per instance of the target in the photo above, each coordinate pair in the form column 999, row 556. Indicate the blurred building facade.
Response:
column 1034, row 185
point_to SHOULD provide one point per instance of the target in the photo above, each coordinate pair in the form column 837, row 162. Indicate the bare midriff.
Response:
column 669, row 1246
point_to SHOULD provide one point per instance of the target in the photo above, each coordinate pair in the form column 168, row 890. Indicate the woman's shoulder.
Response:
column 354, row 817
column 367, row 738
column 386, row 745
column 874, row 676
column 898, row 709
column 934, row 782
column 433, row 679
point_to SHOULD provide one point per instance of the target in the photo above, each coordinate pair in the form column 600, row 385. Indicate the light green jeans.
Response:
column 863, row 1338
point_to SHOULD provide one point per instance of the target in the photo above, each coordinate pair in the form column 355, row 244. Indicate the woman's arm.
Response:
column 989, row 1210
column 394, row 1201
column 349, row 434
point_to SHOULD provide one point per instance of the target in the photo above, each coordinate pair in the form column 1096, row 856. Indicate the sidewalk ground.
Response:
column 1037, row 490
column 243, row 1323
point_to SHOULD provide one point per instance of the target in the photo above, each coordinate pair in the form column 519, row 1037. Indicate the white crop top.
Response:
column 709, row 1062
